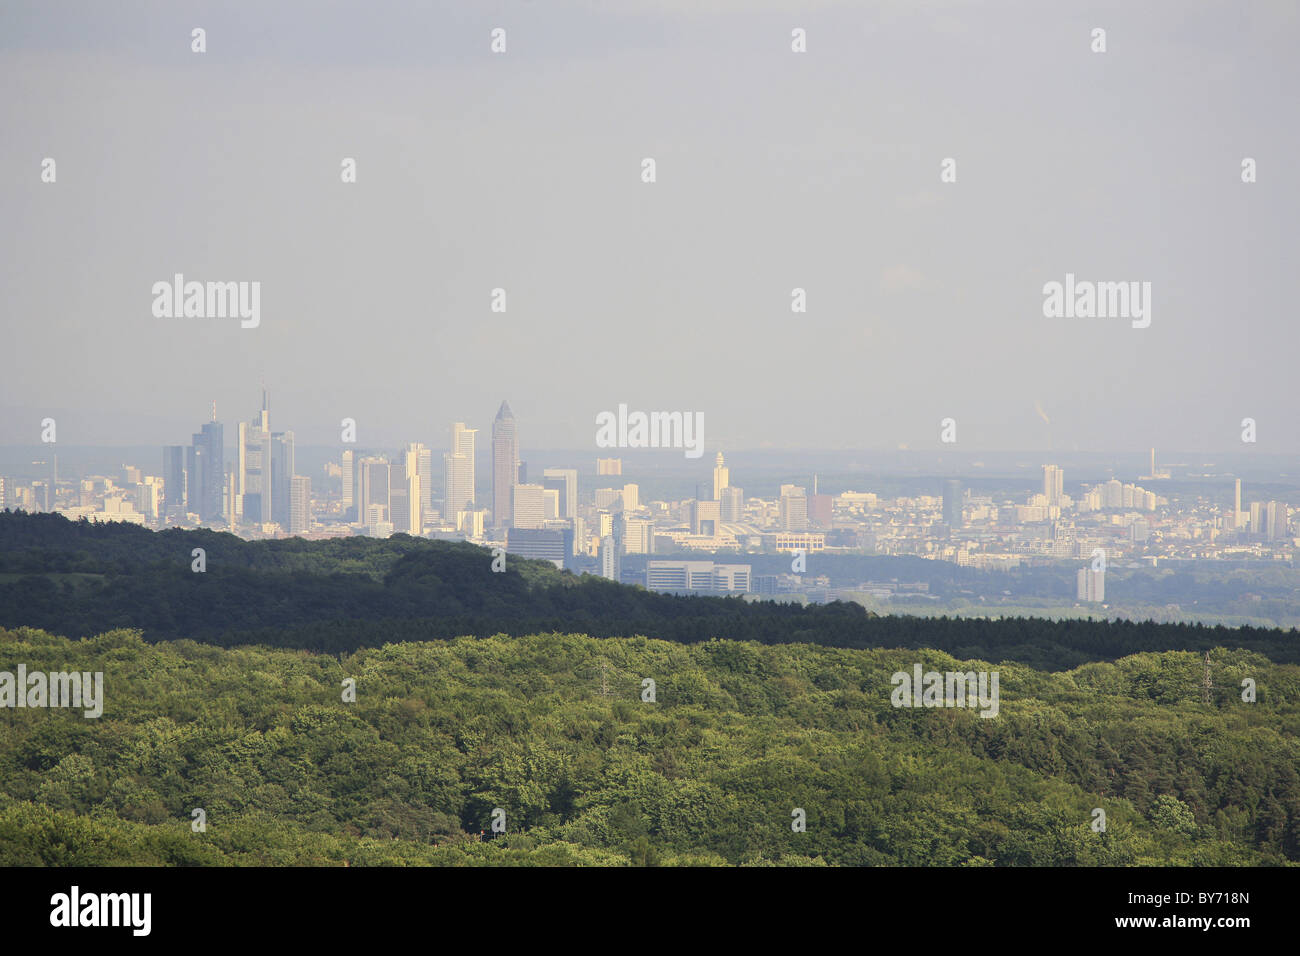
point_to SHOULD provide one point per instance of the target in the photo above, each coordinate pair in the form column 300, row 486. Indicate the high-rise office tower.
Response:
column 565, row 481
column 232, row 500
column 793, row 508
column 631, row 497
column 733, row 504
column 463, row 440
column 149, row 496
column 1277, row 521
column 635, row 535
column 1236, row 510
column 399, row 503
column 52, row 495
column 414, row 523
column 206, row 472
column 255, row 465
column 505, row 465
column 372, row 488
column 609, row 466
column 424, row 468
column 1053, row 484
column 1257, row 515
column 282, row 471
column 721, row 477
column 195, row 459
column 458, row 471
column 607, row 558
column 528, row 507
column 174, row 481
column 952, row 495
column 299, row 504
column 349, row 480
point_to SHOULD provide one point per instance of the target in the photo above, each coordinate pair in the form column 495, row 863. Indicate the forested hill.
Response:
column 81, row 579
column 553, row 729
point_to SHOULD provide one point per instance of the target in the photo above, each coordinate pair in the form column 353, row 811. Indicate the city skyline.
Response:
column 567, row 516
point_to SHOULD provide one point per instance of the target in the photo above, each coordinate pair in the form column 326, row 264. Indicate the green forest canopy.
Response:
column 740, row 735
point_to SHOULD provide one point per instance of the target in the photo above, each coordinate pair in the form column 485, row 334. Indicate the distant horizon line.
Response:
column 746, row 449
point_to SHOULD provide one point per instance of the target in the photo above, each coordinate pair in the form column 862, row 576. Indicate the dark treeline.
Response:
column 81, row 579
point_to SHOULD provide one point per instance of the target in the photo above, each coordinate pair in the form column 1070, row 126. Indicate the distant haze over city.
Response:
column 523, row 171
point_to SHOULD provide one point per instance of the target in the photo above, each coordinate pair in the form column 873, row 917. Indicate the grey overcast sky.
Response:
column 775, row 170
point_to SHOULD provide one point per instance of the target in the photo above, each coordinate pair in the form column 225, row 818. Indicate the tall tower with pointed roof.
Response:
column 505, row 465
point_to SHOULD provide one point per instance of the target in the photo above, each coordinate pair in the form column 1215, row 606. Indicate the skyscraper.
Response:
column 349, row 480
column 1053, row 484
column 399, row 496
column 721, row 477
column 1277, row 523
column 282, row 471
column 1258, row 513
column 458, row 472
column 372, row 488
column 206, row 473
column 232, row 500
column 174, row 481
column 794, row 508
column 733, row 504
column 424, row 468
column 528, row 507
column 149, row 496
column 952, row 501
column 635, row 535
column 607, row 558
column 414, row 493
column 564, row 480
column 505, row 465
column 299, row 504
column 255, row 465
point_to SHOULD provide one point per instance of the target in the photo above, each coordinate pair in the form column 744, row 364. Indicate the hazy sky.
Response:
column 775, row 170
